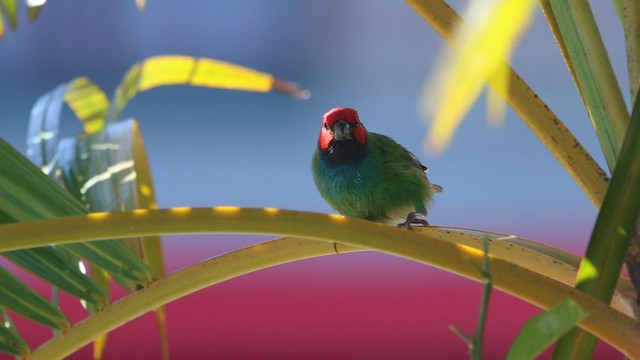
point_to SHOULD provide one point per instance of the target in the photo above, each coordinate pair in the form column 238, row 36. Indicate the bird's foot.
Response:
column 413, row 218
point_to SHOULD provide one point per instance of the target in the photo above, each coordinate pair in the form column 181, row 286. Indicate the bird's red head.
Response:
column 340, row 124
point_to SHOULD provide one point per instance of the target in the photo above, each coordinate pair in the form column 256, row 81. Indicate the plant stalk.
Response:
column 614, row 227
column 487, row 282
column 631, row 25
column 577, row 34
column 612, row 326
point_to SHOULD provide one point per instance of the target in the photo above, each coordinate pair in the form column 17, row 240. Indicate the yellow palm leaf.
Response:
column 477, row 54
column 88, row 102
column 185, row 70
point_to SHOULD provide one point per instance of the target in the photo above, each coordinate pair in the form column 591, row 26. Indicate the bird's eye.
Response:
column 326, row 126
column 356, row 122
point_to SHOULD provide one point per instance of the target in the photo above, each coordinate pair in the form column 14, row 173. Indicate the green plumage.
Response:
column 385, row 185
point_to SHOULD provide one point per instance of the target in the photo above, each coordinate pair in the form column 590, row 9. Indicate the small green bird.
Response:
column 367, row 175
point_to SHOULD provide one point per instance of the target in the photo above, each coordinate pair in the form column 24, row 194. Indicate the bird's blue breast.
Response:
column 346, row 187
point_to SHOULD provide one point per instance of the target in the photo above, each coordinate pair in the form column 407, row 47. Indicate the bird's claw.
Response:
column 412, row 219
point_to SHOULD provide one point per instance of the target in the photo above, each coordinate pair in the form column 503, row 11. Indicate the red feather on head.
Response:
column 332, row 117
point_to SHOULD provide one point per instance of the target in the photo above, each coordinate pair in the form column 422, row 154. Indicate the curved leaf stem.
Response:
column 610, row 325
column 541, row 258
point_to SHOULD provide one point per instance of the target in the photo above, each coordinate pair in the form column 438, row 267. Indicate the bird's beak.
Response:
column 341, row 131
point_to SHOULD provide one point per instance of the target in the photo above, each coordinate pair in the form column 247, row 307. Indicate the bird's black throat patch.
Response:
column 343, row 152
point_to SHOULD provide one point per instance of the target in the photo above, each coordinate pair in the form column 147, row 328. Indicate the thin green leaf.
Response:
column 10, row 8
column 27, row 194
column 44, row 130
column 545, row 328
column 56, row 266
column 12, row 343
column 19, row 298
column 592, row 71
column 7, row 322
column 631, row 22
column 599, row 270
column 10, row 340
column 117, row 260
column 51, row 266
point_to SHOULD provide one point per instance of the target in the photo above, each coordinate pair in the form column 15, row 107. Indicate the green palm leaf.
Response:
column 27, row 194
column 49, row 264
column 589, row 64
column 10, row 340
column 20, row 298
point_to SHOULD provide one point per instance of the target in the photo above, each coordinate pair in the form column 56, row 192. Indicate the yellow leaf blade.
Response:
column 184, row 70
column 533, row 111
column 220, row 74
column 98, row 347
column 478, row 51
column 496, row 106
column 204, row 72
column 88, row 102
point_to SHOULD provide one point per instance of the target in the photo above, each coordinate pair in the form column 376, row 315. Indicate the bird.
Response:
column 367, row 175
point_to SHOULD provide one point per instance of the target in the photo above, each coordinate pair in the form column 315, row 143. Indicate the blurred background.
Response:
column 212, row 147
